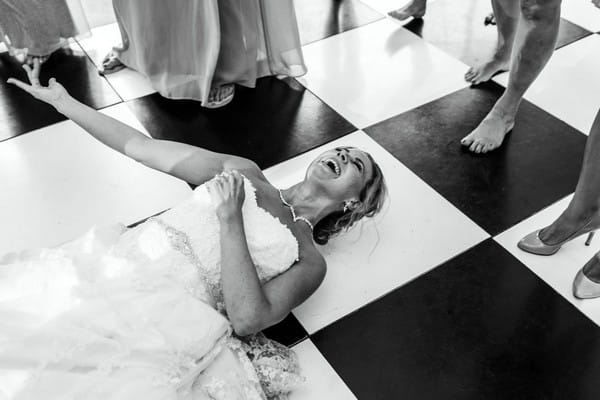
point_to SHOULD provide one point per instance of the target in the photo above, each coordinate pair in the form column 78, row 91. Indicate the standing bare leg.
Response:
column 534, row 44
column 415, row 9
column 506, row 14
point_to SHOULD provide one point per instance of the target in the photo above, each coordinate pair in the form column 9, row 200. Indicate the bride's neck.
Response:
column 307, row 202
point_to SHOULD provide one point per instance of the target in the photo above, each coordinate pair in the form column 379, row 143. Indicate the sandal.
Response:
column 30, row 59
column 220, row 96
column 490, row 19
column 111, row 64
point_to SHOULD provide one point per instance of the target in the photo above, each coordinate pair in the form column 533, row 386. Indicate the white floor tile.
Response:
column 58, row 181
column 582, row 13
column 558, row 270
column 322, row 382
column 417, row 231
column 385, row 6
column 98, row 12
column 128, row 83
column 377, row 71
column 569, row 85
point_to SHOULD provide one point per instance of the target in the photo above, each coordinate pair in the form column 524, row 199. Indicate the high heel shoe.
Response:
column 533, row 244
column 584, row 287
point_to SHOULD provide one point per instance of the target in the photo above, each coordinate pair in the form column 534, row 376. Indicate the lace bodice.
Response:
column 191, row 229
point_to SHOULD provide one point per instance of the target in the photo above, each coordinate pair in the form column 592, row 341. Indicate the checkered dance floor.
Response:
column 430, row 300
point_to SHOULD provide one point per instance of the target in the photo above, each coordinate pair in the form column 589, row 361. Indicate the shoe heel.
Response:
column 589, row 238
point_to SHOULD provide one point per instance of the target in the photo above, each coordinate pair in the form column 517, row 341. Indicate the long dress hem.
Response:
column 40, row 27
column 186, row 47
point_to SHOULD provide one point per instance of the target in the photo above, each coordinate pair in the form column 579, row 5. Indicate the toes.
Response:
column 481, row 78
column 475, row 77
column 400, row 15
column 106, row 60
column 466, row 141
column 493, row 146
column 473, row 146
column 478, row 146
column 470, row 74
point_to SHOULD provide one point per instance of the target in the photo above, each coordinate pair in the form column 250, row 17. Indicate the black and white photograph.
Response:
column 299, row 199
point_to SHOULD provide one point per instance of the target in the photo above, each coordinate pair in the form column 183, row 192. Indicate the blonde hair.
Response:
column 371, row 197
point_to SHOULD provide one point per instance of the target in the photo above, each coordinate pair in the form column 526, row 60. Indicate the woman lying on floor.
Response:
column 148, row 312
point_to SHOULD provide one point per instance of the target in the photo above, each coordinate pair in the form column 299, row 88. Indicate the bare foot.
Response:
column 490, row 133
column 484, row 72
column 415, row 9
column 220, row 96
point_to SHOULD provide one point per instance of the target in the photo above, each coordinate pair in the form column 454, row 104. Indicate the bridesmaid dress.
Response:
column 40, row 27
column 185, row 47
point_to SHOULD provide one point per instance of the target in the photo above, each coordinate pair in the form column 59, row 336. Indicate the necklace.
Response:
column 294, row 217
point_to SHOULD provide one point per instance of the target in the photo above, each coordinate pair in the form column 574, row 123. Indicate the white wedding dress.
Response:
column 138, row 313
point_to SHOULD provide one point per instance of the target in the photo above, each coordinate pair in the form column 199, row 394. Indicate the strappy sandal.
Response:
column 490, row 19
column 220, row 96
column 30, row 59
column 111, row 64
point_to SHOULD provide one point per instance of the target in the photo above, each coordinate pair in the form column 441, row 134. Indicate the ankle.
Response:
column 502, row 53
column 507, row 117
column 505, row 108
column 581, row 215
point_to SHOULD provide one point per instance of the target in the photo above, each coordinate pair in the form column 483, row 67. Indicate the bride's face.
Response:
column 343, row 171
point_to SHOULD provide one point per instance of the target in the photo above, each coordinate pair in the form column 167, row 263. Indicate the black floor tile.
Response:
column 538, row 164
column 287, row 332
column 268, row 124
column 21, row 113
column 569, row 33
column 481, row 326
column 318, row 19
column 457, row 27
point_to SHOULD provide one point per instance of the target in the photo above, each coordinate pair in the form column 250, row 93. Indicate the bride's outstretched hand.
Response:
column 52, row 94
column 227, row 193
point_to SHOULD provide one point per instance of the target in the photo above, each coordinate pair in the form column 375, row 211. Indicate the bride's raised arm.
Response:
column 190, row 163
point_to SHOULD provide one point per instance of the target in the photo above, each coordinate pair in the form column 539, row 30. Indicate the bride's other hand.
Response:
column 53, row 94
column 227, row 193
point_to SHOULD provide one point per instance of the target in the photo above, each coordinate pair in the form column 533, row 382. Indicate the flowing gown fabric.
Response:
column 134, row 313
column 187, row 46
column 40, row 27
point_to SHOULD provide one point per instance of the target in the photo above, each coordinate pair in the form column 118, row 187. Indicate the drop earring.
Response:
column 348, row 205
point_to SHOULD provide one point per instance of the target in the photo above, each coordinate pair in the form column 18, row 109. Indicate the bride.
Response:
column 150, row 312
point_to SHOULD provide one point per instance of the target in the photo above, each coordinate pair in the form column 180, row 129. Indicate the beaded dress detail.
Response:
column 139, row 313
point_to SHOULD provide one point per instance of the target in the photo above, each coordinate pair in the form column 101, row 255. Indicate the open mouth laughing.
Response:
column 333, row 165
